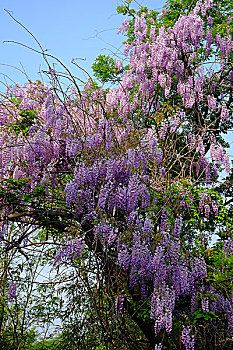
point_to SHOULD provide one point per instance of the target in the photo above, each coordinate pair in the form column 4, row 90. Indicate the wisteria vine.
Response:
column 136, row 164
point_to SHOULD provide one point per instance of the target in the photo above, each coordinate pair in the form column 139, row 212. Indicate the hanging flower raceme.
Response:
column 12, row 291
column 70, row 252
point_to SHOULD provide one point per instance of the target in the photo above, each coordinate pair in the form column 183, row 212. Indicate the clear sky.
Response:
column 67, row 28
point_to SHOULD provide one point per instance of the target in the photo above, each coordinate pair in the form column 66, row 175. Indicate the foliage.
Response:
column 103, row 68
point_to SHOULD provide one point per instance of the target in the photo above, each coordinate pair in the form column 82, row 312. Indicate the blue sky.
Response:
column 68, row 29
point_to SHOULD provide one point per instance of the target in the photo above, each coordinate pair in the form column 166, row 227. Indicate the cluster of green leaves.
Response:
column 26, row 120
column 13, row 190
column 104, row 69
column 8, row 339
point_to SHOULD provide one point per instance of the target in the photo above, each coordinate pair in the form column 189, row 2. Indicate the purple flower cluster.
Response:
column 71, row 251
column 209, row 40
column 106, row 233
column 220, row 156
column 228, row 247
column 162, row 306
column 119, row 303
column 187, row 339
column 12, row 291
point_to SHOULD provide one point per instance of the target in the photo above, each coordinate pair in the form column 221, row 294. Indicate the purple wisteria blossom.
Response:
column 71, row 251
column 12, row 291
column 187, row 339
